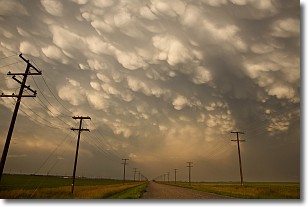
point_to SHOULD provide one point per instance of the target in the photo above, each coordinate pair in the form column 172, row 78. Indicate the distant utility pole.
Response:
column 135, row 170
column 139, row 176
column 164, row 177
column 168, row 173
column 189, row 167
column 77, row 146
column 124, row 164
column 239, row 152
column 19, row 96
column 175, row 175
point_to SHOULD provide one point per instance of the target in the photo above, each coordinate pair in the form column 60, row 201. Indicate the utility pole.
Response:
column 124, row 164
column 164, row 177
column 77, row 146
column 168, row 176
column 135, row 170
column 175, row 175
column 189, row 167
column 19, row 96
column 239, row 152
column 139, row 175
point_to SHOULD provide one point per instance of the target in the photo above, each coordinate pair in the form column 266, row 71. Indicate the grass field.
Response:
column 249, row 190
column 26, row 186
column 34, row 181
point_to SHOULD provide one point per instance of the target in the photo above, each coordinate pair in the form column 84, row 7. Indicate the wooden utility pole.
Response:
column 139, row 176
column 168, row 173
column 19, row 96
column 124, row 163
column 77, row 146
column 175, row 175
column 135, row 170
column 189, row 167
column 164, row 177
column 239, row 152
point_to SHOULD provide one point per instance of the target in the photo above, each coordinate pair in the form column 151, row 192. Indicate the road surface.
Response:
column 161, row 191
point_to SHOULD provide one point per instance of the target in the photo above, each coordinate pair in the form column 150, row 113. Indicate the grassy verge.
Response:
column 249, row 190
column 131, row 193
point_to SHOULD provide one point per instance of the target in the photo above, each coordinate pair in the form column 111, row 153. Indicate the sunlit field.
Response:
column 26, row 186
column 251, row 190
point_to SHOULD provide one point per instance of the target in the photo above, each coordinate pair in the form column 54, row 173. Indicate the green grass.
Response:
column 249, row 190
column 81, row 192
column 9, row 182
column 30, row 186
column 130, row 193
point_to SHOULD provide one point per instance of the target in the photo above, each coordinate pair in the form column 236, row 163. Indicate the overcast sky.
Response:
column 164, row 82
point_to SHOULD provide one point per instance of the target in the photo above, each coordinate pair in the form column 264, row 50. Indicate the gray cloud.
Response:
column 164, row 83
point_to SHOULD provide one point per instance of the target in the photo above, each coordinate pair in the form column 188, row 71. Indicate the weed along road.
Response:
column 161, row 191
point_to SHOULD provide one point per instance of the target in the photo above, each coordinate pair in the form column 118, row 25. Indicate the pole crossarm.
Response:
column 27, row 87
column 81, row 117
column 28, row 62
column 74, row 129
column 234, row 132
column 16, row 96
column 189, row 164
column 30, row 73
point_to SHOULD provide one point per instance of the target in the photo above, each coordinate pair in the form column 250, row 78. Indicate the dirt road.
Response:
column 161, row 191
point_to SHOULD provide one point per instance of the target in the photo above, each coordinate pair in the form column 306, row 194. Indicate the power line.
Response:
column 3, row 66
column 56, row 148
column 43, row 119
column 44, row 106
column 102, row 140
column 54, row 95
column 107, row 155
column 35, row 121
column 47, row 99
column 2, row 58
column 45, row 82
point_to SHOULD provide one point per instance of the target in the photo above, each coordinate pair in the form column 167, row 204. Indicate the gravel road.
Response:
column 161, row 191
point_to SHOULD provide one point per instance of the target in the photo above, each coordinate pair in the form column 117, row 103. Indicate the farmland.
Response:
column 30, row 186
column 33, row 186
column 251, row 190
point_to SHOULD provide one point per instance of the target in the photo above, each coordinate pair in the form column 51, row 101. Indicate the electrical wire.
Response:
column 2, row 58
column 54, row 95
column 3, row 66
column 61, row 143
column 41, row 93
column 43, row 119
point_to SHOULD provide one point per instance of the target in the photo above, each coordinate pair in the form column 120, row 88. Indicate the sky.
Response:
column 164, row 82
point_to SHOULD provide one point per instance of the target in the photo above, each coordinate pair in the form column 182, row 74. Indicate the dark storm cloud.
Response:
column 165, row 81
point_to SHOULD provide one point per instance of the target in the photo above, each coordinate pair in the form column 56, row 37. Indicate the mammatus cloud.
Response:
column 163, row 81
column 53, row 7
